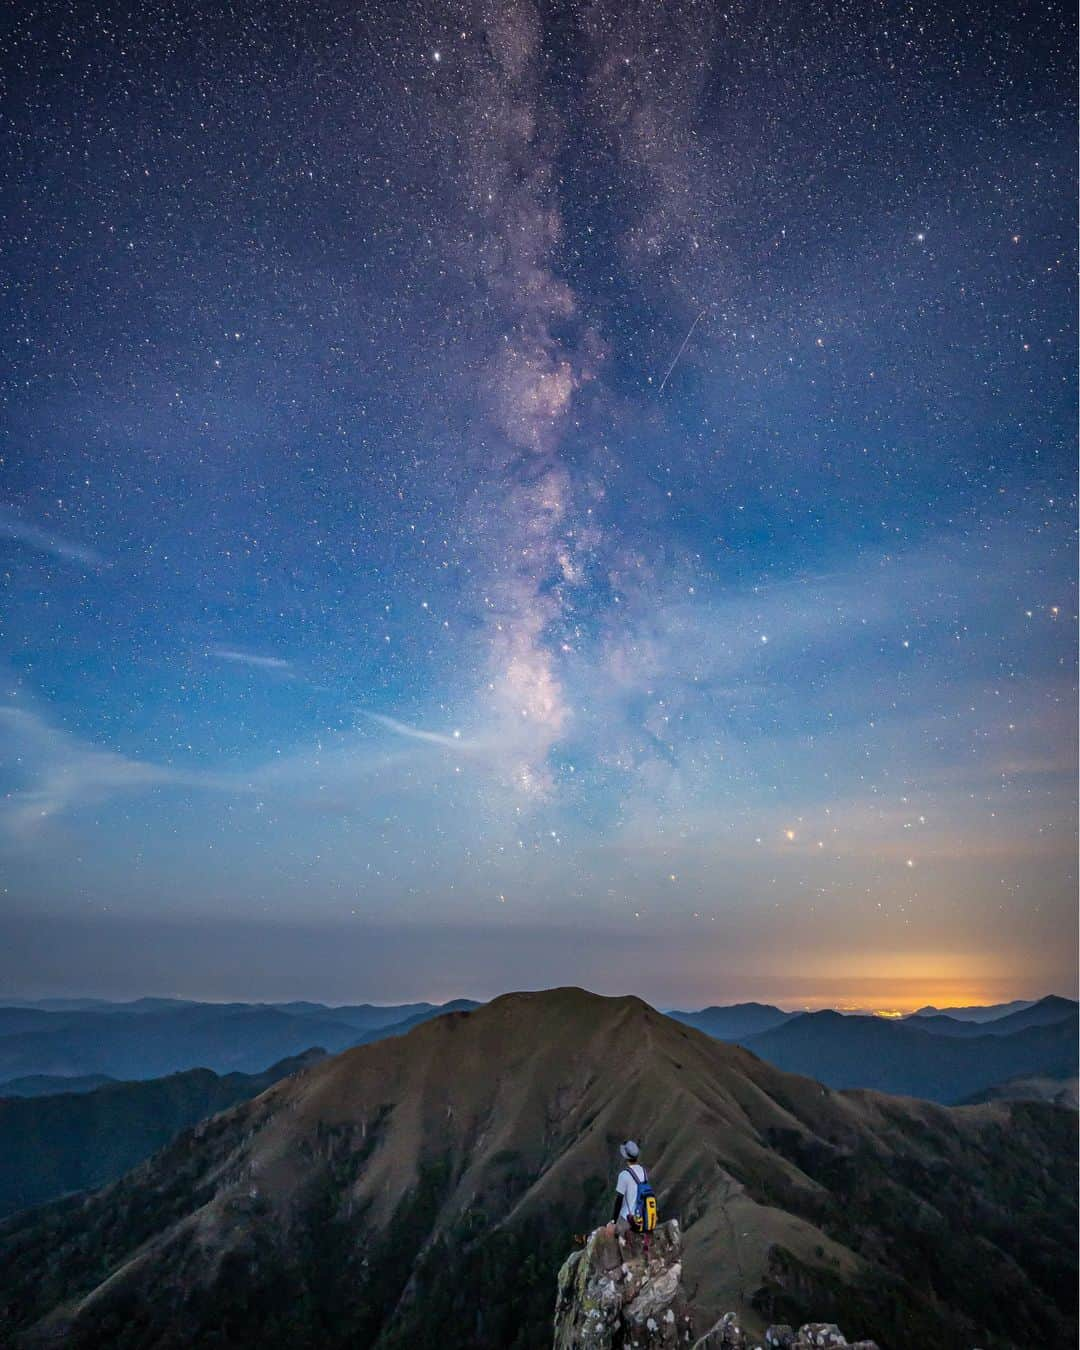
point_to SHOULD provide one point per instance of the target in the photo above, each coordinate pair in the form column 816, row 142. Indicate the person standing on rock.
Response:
column 635, row 1203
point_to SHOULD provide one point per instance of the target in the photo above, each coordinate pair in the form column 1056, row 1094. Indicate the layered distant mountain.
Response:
column 46, row 1085
column 907, row 1058
column 78, row 1141
column 734, row 1022
column 976, row 1012
column 1044, row 1013
column 901, row 1056
column 154, row 1037
column 45, row 1049
column 421, row 1192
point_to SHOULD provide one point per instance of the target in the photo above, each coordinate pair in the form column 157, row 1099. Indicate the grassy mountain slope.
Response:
column 1060, row 1091
column 52, row 1145
column 422, row 1192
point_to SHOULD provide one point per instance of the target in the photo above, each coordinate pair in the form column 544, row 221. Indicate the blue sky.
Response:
column 477, row 476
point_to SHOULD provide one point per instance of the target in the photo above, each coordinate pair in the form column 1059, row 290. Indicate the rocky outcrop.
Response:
column 621, row 1293
column 615, row 1294
column 728, row 1335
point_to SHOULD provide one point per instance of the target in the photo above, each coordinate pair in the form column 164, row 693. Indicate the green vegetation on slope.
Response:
column 53, row 1145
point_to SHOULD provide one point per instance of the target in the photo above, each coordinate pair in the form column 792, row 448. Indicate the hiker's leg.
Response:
column 626, row 1235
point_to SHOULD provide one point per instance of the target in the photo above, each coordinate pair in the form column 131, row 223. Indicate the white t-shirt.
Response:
column 627, row 1185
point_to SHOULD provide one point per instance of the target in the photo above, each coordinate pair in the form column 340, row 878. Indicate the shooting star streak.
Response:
column 679, row 353
column 452, row 742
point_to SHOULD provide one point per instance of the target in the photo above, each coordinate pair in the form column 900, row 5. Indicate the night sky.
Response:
column 507, row 494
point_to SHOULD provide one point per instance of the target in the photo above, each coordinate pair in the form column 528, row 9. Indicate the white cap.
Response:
column 629, row 1150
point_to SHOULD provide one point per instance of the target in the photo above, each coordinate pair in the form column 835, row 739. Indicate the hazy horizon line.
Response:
column 874, row 1009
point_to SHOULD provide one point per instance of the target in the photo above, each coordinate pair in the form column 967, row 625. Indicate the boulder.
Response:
column 780, row 1338
column 621, row 1293
column 728, row 1335
column 820, row 1334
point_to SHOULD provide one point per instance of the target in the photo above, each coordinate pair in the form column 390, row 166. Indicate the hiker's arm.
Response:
column 618, row 1207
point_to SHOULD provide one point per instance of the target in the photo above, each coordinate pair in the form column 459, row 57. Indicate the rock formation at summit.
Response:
column 626, row 1293
column 618, row 1291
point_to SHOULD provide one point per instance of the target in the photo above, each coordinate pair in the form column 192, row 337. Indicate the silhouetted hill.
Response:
column 899, row 1057
column 42, row 1085
column 50, row 1146
column 364, row 1017
column 144, row 1041
column 58, row 1004
column 941, row 1025
column 975, row 1012
column 1045, row 1012
column 153, row 1044
column 14, row 1021
column 421, row 1192
column 734, row 1022
column 403, row 1028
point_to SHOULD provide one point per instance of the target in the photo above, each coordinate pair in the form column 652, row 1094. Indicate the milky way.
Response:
column 517, row 493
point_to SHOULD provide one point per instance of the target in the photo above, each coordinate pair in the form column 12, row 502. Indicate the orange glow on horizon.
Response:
column 897, row 983
column 892, row 1006
column 889, row 998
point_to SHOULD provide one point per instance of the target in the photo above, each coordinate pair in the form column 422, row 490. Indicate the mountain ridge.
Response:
column 76, row 1141
column 51, row 1085
column 975, row 1012
column 902, row 1058
column 354, row 1202
column 1043, row 1012
column 735, row 1021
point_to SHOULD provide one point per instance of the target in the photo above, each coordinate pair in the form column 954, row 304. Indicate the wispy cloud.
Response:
column 253, row 659
column 54, row 773
column 66, row 772
column 702, row 703
column 21, row 531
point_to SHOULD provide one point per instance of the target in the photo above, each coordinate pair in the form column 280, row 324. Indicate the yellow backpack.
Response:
column 644, row 1217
